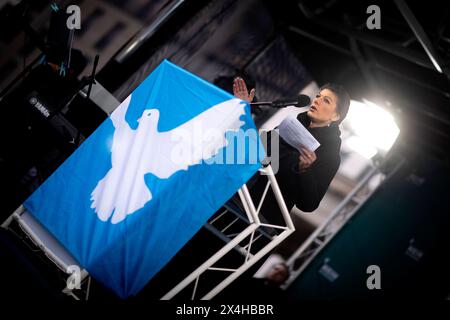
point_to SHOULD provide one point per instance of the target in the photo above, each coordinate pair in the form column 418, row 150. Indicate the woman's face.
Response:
column 323, row 108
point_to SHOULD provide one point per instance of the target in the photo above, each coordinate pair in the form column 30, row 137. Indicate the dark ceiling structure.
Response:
column 403, row 66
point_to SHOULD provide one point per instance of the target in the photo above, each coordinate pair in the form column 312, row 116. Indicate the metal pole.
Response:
column 279, row 197
column 247, row 265
column 208, row 263
column 372, row 41
column 419, row 33
column 146, row 33
column 319, row 40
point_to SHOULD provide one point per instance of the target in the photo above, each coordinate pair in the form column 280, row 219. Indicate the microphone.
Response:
column 301, row 101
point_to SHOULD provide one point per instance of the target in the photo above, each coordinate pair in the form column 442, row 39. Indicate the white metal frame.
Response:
column 331, row 226
column 49, row 246
column 250, row 259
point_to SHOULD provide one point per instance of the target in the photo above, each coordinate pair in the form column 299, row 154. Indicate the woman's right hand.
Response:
column 306, row 159
column 240, row 90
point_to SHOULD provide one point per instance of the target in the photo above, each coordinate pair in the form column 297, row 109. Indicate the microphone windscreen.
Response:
column 303, row 100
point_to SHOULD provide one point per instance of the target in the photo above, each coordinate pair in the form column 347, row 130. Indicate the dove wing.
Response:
column 118, row 115
column 122, row 130
column 203, row 136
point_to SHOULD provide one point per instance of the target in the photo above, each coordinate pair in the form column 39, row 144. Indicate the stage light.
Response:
column 373, row 128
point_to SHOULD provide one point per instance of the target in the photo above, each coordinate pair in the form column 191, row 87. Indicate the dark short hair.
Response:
column 343, row 99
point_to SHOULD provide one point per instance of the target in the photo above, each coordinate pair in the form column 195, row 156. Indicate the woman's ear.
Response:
column 335, row 117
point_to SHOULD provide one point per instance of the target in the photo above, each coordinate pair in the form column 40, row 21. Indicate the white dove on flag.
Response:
column 135, row 153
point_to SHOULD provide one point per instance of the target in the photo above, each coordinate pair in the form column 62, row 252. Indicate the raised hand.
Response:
column 240, row 90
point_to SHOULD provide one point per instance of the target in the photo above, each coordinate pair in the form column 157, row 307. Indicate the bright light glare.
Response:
column 373, row 125
column 359, row 145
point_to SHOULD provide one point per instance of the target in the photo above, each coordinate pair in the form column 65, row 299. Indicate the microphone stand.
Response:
column 301, row 101
column 272, row 103
column 91, row 79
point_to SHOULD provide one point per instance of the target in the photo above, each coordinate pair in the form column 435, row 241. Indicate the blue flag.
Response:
column 149, row 177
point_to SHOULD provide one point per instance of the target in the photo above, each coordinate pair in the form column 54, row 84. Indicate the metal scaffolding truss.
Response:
column 312, row 246
column 39, row 240
column 254, row 231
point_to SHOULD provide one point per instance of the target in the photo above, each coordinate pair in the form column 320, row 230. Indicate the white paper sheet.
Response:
column 294, row 133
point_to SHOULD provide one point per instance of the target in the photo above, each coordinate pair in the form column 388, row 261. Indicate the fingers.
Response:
column 303, row 163
column 303, row 160
column 306, row 158
column 309, row 154
column 237, row 87
column 240, row 90
column 235, row 90
column 240, row 85
column 252, row 95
